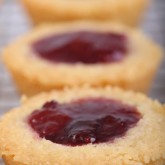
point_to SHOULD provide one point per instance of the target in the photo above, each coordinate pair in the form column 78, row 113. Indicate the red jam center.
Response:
column 82, row 47
column 92, row 120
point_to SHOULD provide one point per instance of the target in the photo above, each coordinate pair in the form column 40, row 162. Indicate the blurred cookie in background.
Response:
column 82, row 53
column 125, row 11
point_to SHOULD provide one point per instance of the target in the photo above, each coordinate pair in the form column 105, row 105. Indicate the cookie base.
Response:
column 30, row 88
column 9, row 161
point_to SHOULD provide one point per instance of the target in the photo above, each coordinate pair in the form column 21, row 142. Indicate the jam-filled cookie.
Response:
column 126, row 11
column 74, row 54
column 88, row 126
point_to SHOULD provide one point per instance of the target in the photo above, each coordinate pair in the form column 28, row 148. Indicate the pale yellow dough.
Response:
column 144, row 144
column 33, row 75
column 125, row 11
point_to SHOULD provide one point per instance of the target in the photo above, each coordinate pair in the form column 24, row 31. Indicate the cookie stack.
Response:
column 83, row 65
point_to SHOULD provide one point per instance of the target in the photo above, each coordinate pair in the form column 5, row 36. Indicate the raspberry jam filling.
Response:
column 91, row 120
column 82, row 47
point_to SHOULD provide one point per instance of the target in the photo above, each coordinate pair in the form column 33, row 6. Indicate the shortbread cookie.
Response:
column 125, row 11
column 88, row 126
column 74, row 54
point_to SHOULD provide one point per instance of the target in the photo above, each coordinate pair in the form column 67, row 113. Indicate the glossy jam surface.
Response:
column 82, row 47
column 92, row 120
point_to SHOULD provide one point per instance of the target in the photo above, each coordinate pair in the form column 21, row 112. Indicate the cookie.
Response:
column 104, row 126
column 125, row 11
column 76, row 54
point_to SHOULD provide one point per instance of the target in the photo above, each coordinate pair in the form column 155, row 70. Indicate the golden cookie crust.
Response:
column 142, row 145
column 125, row 11
column 33, row 75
